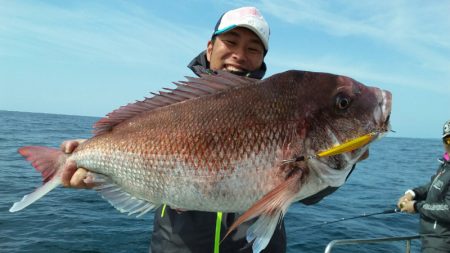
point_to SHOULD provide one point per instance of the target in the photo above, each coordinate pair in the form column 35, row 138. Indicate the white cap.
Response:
column 248, row 17
column 446, row 129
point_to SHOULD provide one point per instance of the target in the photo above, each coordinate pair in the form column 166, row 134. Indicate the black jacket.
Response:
column 432, row 203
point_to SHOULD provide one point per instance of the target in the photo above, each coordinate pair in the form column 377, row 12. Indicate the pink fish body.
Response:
column 225, row 143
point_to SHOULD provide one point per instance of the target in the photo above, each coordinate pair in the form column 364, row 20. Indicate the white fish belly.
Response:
column 167, row 180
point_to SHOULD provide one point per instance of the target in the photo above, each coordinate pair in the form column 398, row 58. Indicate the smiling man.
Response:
column 239, row 44
column 238, row 51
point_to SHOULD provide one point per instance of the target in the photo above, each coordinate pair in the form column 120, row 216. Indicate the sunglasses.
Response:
column 446, row 140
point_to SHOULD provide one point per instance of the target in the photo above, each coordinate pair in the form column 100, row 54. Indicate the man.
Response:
column 432, row 202
column 239, row 44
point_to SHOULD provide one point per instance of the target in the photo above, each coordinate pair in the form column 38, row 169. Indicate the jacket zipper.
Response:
column 432, row 183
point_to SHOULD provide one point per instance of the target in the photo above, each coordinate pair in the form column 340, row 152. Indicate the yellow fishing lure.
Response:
column 348, row 146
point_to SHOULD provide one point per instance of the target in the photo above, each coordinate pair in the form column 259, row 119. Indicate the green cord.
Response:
column 217, row 238
column 218, row 225
column 163, row 210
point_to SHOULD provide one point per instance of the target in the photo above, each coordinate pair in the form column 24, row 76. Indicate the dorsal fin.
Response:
column 209, row 83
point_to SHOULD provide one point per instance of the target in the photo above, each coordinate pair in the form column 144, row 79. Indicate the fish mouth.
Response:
column 383, row 112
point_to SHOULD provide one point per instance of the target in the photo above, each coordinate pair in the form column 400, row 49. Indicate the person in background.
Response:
column 432, row 202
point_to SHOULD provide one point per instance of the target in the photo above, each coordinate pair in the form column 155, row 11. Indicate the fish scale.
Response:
column 204, row 148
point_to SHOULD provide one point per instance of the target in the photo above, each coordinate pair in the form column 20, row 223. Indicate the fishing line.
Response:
column 388, row 211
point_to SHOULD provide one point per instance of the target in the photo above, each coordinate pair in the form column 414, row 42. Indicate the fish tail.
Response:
column 48, row 161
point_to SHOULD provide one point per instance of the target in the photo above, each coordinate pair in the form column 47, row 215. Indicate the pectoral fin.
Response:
column 117, row 197
column 271, row 209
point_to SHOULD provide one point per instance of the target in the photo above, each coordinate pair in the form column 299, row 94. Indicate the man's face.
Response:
column 447, row 144
column 238, row 50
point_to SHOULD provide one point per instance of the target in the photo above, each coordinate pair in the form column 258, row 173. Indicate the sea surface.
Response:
column 76, row 221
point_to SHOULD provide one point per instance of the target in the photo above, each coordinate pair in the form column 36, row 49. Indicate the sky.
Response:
column 91, row 57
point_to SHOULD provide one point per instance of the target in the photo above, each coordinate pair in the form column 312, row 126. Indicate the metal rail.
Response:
column 373, row 240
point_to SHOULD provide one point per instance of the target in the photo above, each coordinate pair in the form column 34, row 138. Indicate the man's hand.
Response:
column 72, row 176
column 404, row 199
column 408, row 206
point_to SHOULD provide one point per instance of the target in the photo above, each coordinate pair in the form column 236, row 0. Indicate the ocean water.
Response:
column 68, row 220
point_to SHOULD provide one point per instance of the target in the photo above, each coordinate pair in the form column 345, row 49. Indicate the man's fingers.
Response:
column 70, row 145
column 68, row 171
column 399, row 202
column 77, row 180
column 407, row 206
column 73, row 177
column 404, row 198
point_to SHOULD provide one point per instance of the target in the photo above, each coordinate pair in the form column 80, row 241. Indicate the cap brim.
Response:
column 251, row 28
column 445, row 135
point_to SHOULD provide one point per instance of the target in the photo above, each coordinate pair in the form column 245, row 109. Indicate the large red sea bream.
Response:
column 225, row 143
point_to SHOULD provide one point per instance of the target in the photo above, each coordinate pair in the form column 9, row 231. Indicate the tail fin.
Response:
column 48, row 161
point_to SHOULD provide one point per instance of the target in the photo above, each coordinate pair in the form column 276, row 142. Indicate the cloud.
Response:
column 360, row 72
column 419, row 31
column 115, row 32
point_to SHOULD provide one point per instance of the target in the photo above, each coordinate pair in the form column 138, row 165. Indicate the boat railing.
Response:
column 408, row 240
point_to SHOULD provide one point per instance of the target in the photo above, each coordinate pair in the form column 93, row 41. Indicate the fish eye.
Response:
column 342, row 102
